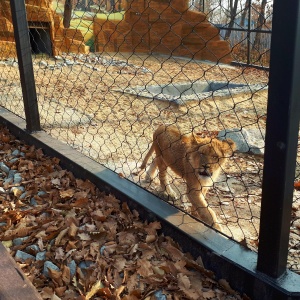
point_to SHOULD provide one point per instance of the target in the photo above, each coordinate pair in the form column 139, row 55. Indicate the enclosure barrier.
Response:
column 260, row 276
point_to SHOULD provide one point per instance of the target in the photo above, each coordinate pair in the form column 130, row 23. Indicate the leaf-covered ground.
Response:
column 74, row 242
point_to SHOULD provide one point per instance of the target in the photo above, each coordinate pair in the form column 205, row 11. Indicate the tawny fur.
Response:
column 197, row 160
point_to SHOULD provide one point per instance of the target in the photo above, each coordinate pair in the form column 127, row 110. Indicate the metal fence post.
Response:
column 23, row 46
column 281, row 138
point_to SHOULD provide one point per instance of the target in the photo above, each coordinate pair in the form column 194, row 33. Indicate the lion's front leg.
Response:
column 201, row 208
column 165, row 185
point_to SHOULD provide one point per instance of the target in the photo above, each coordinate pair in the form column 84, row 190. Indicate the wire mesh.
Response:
column 122, row 68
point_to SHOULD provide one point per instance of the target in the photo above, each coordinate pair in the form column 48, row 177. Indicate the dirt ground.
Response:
column 121, row 125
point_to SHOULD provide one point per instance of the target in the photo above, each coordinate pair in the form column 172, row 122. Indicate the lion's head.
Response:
column 209, row 158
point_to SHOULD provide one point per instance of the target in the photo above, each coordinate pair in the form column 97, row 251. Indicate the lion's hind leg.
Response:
column 150, row 173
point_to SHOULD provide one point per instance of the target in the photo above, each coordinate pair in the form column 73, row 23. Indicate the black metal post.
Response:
column 23, row 46
column 281, row 138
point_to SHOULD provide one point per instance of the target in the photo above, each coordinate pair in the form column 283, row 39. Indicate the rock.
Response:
column 85, row 264
column 247, row 140
column 22, row 197
column 12, row 161
column 69, row 62
column 41, row 255
column 22, row 256
column 42, row 63
column 8, row 181
column 11, row 173
column 49, row 265
column 15, row 152
column 159, row 295
column 17, row 178
column 72, row 267
column 33, row 248
column 33, row 202
column 19, row 241
column 41, row 193
column 4, row 167
column 17, row 190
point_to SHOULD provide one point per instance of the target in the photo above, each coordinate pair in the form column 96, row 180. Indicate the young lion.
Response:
column 197, row 160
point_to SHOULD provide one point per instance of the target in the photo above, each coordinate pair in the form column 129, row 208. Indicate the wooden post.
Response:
column 23, row 46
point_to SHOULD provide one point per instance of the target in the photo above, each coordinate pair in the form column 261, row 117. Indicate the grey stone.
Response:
column 17, row 178
column 181, row 92
column 17, row 188
column 41, row 193
column 85, row 264
column 11, row 173
column 41, row 255
column 34, row 248
column 4, row 167
column 15, row 152
column 42, row 63
column 72, row 266
column 159, row 295
column 23, row 195
column 8, row 181
column 69, row 62
column 22, row 256
column 33, row 202
column 247, row 140
column 12, row 161
column 19, row 241
column 49, row 265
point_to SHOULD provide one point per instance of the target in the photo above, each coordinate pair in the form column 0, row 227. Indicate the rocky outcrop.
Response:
column 156, row 26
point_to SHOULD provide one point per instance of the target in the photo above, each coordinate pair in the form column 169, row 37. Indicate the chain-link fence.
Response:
column 109, row 73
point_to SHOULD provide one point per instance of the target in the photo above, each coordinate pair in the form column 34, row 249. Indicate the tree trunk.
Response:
column 243, row 17
column 67, row 13
column 233, row 9
column 260, row 22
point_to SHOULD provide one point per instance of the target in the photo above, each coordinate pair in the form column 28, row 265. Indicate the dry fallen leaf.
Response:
column 297, row 185
column 60, row 236
column 224, row 283
column 67, row 194
column 95, row 289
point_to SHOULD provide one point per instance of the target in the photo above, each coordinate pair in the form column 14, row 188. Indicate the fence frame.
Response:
column 23, row 46
column 248, row 30
column 262, row 275
column 282, row 129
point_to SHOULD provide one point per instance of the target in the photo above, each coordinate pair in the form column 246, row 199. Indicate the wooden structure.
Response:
column 14, row 285
column 162, row 26
column 44, row 20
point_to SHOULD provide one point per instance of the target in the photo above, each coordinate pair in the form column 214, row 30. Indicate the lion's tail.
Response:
column 144, row 163
column 148, row 155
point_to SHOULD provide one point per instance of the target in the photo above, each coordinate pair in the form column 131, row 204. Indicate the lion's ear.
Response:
column 231, row 146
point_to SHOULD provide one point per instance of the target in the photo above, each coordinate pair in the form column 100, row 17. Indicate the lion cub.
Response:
column 197, row 160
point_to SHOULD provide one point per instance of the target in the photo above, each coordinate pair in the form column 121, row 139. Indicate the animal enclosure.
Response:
column 107, row 104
